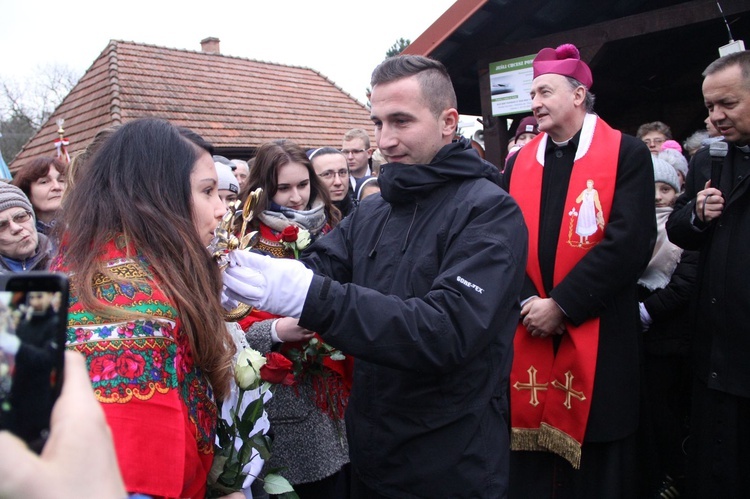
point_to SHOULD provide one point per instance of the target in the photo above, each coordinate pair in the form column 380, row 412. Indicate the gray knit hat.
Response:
column 676, row 159
column 11, row 197
column 663, row 172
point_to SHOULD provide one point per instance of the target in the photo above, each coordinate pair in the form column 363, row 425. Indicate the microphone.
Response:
column 718, row 151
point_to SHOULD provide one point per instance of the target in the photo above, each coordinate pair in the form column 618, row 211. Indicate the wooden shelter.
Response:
column 646, row 56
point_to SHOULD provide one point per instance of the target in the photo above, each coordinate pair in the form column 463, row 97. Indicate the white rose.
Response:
column 247, row 370
column 303, row 239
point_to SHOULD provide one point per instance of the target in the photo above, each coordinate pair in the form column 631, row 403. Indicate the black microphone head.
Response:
column 718, row 149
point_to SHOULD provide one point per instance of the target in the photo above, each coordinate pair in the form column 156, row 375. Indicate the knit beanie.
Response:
column 13, row 197
column 671, row 144
column 663, row 172
column 676, row 159
column 227, row 180
column 527, row 125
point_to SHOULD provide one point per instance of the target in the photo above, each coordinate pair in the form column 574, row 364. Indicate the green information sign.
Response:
column 510, row 84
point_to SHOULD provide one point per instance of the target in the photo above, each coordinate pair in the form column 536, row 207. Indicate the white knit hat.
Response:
column 663, row 172
column 227, row 180
column 676, row 159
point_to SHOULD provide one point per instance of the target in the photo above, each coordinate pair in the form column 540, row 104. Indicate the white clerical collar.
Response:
column 587, row 134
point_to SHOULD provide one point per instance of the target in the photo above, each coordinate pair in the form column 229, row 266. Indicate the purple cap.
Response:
column 565, row 60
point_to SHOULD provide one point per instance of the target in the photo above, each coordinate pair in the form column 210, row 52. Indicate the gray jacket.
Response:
column 307, row 443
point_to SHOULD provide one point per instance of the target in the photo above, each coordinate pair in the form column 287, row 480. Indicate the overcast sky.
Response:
column 342, row 39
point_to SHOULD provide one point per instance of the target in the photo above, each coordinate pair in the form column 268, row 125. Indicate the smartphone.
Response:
column 33, row 319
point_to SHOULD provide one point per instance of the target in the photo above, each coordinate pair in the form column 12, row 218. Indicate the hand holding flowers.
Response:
column 239, row 438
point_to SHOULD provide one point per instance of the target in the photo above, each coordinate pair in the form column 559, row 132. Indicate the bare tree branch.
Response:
column 26, row 106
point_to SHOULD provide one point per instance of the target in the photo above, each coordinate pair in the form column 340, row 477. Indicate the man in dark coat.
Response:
column 713, row 216
column 421, row 286
column 586, row 192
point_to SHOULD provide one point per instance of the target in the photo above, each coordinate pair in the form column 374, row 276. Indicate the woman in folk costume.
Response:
column 307, row 418
column 145, row 305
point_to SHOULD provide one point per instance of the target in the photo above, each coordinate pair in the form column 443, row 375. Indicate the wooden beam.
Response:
column 589, row 40
column 451, row 20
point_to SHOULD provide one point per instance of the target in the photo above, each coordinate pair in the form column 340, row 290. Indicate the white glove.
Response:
column 646, row 319
column 275, row 285
column 9, row 343
column 228, row 303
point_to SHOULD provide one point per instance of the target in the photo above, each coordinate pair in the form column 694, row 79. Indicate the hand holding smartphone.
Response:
column 33, row 318
column 78, row 434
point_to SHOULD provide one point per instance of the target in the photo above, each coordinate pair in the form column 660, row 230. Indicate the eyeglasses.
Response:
column 328, row 174
column 353, row 152
column 654, row 142
column 18, row 219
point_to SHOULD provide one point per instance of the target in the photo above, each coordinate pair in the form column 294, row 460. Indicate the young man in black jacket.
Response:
column 421, row 286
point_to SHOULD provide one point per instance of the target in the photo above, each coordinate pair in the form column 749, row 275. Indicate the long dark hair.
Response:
column 265, row 173
column 138, row 185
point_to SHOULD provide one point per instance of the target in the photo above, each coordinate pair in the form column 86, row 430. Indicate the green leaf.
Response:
column 244, row 428
column 277, row 484
column 253, row 411
column 262, row 444
column 246, row 452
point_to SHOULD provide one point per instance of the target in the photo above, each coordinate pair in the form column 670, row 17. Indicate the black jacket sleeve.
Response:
column 683, row 227
column 675, row 296
column 473, row 297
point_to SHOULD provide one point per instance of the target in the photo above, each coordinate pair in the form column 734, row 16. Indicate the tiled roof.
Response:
column 232, row 102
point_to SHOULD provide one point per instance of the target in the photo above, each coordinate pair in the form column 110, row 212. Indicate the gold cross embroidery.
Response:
column 568, row 389
column 531, row 385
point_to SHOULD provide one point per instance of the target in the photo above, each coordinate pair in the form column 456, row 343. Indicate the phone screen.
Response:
column 33, row 317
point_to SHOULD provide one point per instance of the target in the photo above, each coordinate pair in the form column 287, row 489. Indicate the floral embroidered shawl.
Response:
column 157, row 403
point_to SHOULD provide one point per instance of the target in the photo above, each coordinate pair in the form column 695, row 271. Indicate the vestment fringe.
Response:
column 525, row 439
column 562, row 444
column 547, row 439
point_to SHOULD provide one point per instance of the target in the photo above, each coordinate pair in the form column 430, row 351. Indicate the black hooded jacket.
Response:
column 420, row 285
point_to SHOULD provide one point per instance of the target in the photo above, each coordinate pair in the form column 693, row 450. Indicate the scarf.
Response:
column 665, row 257
column 552, row 391
column 279, row 217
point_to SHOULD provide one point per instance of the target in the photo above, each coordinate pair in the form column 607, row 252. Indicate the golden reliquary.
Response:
column 225, row 241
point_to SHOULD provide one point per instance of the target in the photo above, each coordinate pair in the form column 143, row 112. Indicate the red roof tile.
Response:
column 232, row 102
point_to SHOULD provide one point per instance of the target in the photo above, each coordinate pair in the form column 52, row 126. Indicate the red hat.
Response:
column 565, row 60
column 527, row 125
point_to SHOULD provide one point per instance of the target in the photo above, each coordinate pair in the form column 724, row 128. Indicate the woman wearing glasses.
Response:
column 22, row 248
column 306, row 418
column 330, row 166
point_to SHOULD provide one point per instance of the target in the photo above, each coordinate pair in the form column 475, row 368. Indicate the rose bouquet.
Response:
column 239, row 440
column 316, row 361
column 295, row 239
column 326, row 369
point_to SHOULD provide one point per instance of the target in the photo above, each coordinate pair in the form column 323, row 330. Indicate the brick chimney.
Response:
column 210, row 45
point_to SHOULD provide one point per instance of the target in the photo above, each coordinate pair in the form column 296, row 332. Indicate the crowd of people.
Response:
column 573, row 326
